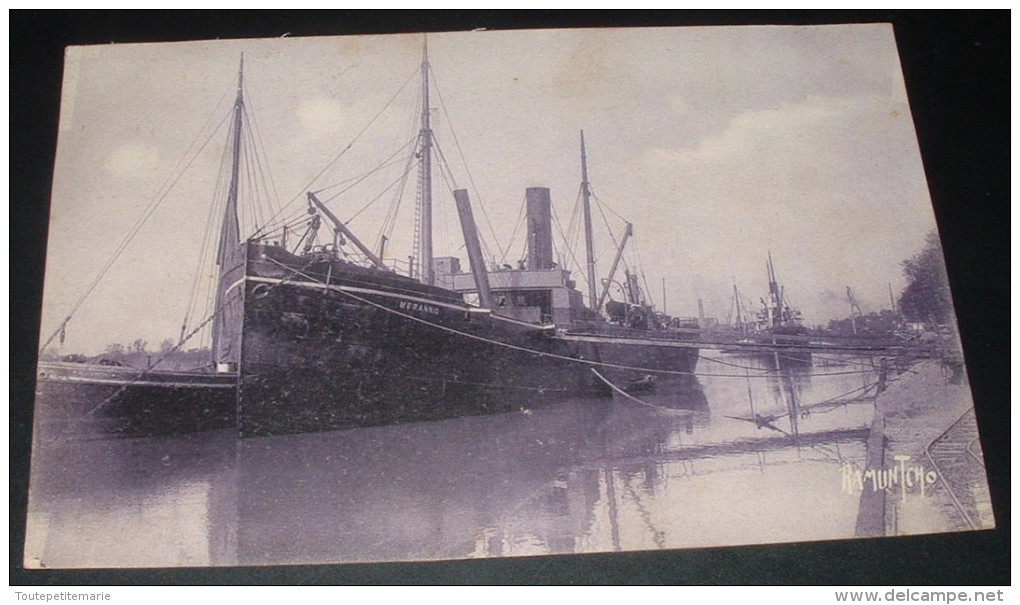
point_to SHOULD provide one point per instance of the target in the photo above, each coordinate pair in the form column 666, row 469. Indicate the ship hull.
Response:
column 355, row 354
column 322, row 352
column 75, row 400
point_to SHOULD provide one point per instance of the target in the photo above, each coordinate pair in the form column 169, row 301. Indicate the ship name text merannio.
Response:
column 407, row 305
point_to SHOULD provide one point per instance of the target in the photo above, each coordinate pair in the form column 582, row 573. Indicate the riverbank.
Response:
column 924, row 432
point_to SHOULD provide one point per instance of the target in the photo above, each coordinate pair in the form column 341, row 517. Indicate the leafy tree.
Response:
column 166, row 345
column 926, row 296
column 115, row 350
column 138, row 346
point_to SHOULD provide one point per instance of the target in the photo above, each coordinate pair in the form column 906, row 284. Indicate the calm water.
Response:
column 684, row 466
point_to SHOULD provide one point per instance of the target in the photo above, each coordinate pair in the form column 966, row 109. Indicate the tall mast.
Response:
column 773, row 285
column 225, row 332
column 230, row 233
column 736, row 302
column 776, row 295
column 425, row 227
column 589, row 245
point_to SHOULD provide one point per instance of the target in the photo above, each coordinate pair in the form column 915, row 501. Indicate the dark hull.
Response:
column 76, row 400
column 360, row 353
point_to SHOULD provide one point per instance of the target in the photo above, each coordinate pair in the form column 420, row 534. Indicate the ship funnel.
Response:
column 540, row 251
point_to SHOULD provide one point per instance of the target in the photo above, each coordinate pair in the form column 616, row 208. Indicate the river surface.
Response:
column 680, row 465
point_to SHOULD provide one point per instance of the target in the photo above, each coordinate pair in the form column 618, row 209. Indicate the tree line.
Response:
column 925, row 299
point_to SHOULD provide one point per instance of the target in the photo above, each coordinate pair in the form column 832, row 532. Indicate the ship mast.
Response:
column 736, row 303
column 230, row 233
column 223, row 343
column 425, row 226
column 776, row 296
column 589, row 245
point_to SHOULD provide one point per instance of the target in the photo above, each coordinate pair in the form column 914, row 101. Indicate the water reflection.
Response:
column 749, row 452
column 156, row 502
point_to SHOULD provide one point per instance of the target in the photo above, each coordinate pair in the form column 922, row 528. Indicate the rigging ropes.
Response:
column 460, row 151
column 188, row 158
column 257, row 188
column 332, row 163
column 543, row 354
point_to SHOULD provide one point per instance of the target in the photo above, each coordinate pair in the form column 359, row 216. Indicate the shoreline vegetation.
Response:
column 138, row 357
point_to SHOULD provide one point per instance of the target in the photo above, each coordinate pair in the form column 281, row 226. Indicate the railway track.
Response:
column 957, row 458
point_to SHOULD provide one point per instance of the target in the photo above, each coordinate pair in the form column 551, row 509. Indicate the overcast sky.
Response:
column 719, row 144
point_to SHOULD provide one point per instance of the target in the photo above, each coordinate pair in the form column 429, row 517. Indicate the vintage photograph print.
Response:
column 493, row 293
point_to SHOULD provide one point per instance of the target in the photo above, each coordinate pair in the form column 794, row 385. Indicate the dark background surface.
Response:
column 956, row 66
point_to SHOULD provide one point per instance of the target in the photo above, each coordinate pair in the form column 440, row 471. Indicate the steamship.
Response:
column 319, row 341
column 322, row 337
column 322, row 343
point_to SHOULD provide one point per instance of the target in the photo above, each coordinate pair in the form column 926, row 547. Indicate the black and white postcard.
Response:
column 415, row 297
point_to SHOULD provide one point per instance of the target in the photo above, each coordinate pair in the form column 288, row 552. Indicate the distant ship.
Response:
column 777, row 315
column 321, row 337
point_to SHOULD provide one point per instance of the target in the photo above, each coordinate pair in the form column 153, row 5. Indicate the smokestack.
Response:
column 540, row 252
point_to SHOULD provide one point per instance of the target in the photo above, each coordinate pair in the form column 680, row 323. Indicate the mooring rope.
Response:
column 300, row 272
column 550, row 355
column 148, row 371
column 145, row 373
column 635, row 399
